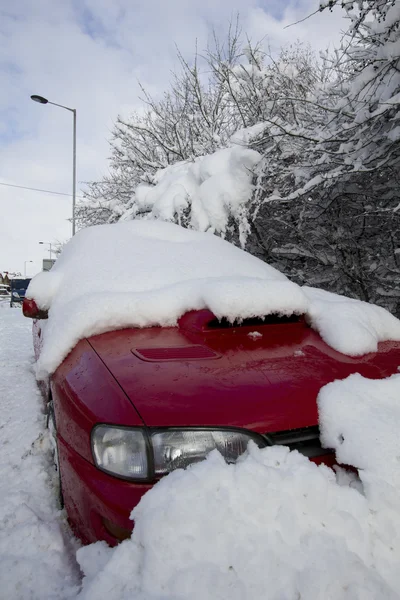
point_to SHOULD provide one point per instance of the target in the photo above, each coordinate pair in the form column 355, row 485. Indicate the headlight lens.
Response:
column 120, row 451
column 123, row 451
column 176, row 449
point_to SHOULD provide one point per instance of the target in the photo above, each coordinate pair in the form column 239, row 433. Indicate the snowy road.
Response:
column 37, row 557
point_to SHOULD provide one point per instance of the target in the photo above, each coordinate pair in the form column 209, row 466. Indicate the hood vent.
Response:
column 205, row 320
column 175, row 353
column 254, row 322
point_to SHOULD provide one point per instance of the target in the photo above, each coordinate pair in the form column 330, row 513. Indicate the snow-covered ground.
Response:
column 273, row 526
column 37, row 551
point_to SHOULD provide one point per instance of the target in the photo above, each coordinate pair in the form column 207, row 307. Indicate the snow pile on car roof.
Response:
column 274, row 525
column 147, row 273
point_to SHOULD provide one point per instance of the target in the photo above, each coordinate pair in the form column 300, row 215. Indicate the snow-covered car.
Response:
column 4, row 291
column 156, row 345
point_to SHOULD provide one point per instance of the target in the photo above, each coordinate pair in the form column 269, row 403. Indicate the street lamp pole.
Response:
column 49, row 244
column 42, row 100
column 73, row 172
column 26, row 261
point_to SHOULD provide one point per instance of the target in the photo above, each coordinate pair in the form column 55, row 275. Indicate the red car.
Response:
column 130, row 406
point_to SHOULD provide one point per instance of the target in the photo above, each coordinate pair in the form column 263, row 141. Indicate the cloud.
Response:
column 291, row 24
column 89, row 55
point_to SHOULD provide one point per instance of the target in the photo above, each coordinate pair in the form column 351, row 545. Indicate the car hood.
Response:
column 262, row 377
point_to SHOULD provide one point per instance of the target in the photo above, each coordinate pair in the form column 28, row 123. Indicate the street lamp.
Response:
column 49, row 244
column 42, row 100
column 26, row 261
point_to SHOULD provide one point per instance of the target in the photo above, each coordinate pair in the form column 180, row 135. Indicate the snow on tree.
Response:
column 327, row 192
column 203, row 194
column 352, row 125
column 202, row 114
column 191, row 119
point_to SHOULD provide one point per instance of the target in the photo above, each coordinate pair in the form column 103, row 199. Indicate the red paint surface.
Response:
column 265, row 384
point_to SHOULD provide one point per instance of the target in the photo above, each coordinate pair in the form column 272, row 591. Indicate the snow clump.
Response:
column 216, row 186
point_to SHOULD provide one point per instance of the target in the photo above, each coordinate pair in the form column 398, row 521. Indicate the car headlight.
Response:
column 178, row 448
column 121, row 451
column 139, row 454
column 16, row 294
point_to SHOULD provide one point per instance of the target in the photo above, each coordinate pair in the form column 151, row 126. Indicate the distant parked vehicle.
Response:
column 18, row 288
column 5, row 293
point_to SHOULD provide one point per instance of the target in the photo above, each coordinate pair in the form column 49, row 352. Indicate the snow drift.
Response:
column 149, row 273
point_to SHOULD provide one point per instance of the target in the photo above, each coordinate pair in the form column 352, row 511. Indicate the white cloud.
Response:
column 89, row 55
column 319, row 30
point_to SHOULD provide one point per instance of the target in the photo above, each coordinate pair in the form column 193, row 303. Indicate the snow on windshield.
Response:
column 147, row 273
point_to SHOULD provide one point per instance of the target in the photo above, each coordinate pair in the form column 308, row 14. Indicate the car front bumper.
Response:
column 98, row 505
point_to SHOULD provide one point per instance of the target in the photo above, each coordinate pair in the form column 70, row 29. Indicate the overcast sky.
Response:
column 89, row 55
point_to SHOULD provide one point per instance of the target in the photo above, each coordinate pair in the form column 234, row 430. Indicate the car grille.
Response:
column 305, row 440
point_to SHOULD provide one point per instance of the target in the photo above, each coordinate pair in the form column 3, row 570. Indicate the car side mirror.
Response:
column 31, row 310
